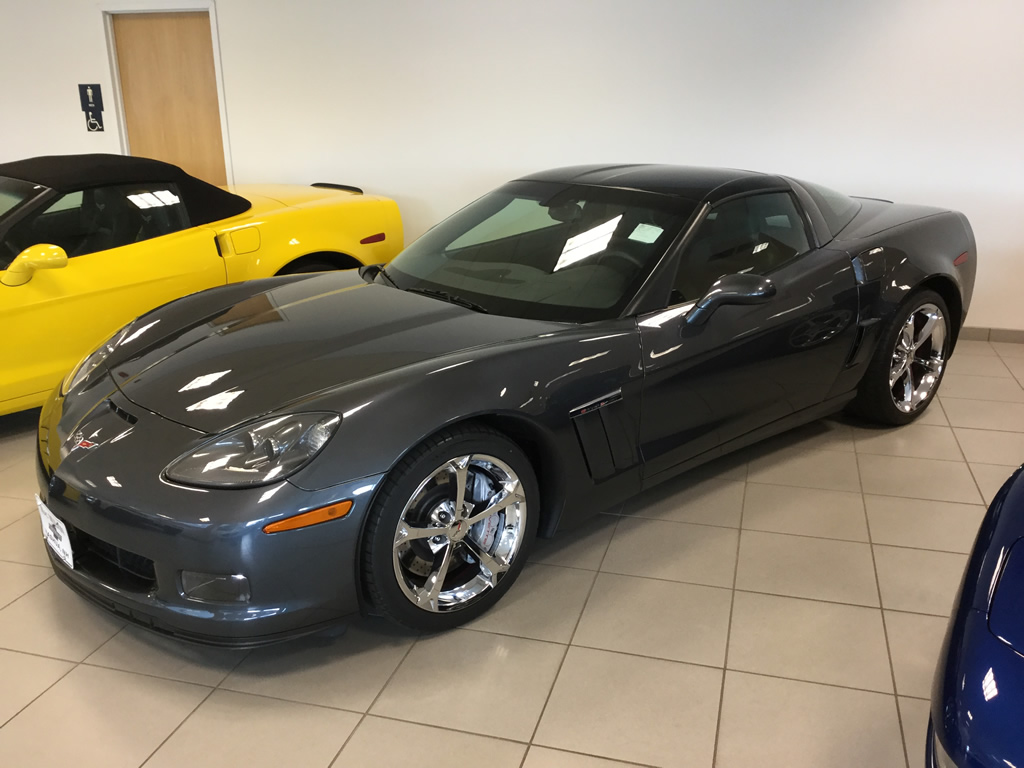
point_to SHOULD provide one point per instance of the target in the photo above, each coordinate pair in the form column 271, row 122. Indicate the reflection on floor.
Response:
column 781, row 607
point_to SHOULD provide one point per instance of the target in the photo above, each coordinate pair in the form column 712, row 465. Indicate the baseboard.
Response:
column 992, row 334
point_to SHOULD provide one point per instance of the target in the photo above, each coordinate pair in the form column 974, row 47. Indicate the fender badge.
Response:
column 82, row 442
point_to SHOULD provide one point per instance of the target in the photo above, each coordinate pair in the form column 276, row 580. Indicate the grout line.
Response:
column 183, row 721
column 363, row 715
column 572, row 637
column 977, row 485
column 728, row 630
column 885, row 628
column 7, row 605
column 74, row 666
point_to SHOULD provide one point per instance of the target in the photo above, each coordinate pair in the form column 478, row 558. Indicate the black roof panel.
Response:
column 67, row 173
column 690, row 182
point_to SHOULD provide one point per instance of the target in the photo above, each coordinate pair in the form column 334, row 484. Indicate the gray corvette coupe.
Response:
column 260, row 460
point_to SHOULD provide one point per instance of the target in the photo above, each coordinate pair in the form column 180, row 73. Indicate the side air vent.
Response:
column 122, row 413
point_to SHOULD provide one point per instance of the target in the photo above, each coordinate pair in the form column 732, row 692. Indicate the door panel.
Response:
column 747, row 365
column 169, row 90
column 57, row 317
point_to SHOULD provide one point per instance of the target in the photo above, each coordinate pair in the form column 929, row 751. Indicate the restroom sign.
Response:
column 91, row 98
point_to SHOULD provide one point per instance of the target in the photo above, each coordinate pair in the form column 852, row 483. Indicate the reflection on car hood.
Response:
column 293, row 340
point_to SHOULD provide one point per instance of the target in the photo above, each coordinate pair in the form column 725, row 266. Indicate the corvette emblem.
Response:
column 82, row 442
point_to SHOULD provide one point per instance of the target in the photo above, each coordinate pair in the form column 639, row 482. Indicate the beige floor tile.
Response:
column 581, row 547
column 804, row 511
column 922, row 441
column 774, row 723
column 918, row 581
column 97, row 718
column 17, row 448
column 22, row 542
column 1015, row 365
column 383, row 743
column 346, row 672
column 990, row 478
column 134, row 649
column 970, row 347
column 914, row 714
column 25, row 677
column 1008, row 350
column 544, row 604
column 914, row 642
column 680, row 622
column 630, row 708
column 986, row 446
column 918, row 478
column 806, row 468
column 238, row 729
column 984, row 414
column 51, row 620
column 699, row 554
column 1005, row 390
column 977, row 365
column 711, row 501
column 923, row 524
column 542, row 757
column 495, row 685
column 933, row 415
column 16, row 579
column 13, row 510
column 809, row 640
column 796, row 566
column 18, row 481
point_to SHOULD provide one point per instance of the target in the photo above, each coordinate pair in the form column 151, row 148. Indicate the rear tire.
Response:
column 904, row 374
column 471, row 556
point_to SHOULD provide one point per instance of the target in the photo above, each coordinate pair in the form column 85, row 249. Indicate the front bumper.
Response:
column 133, row 533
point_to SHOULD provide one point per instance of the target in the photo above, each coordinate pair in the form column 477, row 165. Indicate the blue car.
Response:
column 978, row 697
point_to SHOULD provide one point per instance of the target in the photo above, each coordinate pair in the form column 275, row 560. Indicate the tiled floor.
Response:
column 782, row 607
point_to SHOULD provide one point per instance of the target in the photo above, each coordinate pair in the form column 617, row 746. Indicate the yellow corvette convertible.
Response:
column 87, row 242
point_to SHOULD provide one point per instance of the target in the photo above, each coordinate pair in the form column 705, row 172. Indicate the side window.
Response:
column 98, row 219
column 754, row 234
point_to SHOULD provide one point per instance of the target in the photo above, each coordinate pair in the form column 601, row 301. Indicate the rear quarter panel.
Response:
column 335, row 223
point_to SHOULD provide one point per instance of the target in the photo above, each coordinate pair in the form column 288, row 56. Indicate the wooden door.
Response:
column 169, row 90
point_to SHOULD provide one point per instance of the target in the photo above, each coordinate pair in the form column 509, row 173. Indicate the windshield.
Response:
column 14, row 192
column 545, row 251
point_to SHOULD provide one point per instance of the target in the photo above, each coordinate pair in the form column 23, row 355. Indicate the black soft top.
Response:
column 69, row 173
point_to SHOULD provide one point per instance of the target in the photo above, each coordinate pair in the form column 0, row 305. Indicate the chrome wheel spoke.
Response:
column 509, row 497
column 408, row 532
column 459, row 470
column 491, row 568
column 908, row 388
column 929, row 327
column 428, row 594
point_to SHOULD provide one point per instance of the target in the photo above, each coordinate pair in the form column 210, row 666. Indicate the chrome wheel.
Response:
column 918, row 359
column 459, row 532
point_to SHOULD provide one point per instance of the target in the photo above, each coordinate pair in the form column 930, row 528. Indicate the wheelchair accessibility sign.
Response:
column 91, row 98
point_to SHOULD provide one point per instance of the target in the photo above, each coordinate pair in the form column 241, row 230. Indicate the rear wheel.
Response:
column 906, row 370
column 450, row 529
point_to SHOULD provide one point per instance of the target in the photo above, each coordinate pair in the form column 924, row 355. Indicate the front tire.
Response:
column 904, row 374
column 450, row 529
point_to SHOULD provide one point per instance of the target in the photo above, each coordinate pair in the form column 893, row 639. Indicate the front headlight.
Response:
column 93, row 360
column 257, row 453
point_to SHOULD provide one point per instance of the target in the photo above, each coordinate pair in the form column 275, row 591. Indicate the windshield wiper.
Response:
column 450, row 298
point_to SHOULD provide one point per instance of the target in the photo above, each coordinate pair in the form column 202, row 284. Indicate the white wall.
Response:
column 436, row 102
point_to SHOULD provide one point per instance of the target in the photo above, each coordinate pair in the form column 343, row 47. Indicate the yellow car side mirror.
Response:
column 32, row 258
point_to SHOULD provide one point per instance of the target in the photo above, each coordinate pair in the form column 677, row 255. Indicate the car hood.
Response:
column 291, row 341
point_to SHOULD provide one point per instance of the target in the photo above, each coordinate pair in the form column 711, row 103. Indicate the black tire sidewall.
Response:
column 874, row 398
column 386, row 596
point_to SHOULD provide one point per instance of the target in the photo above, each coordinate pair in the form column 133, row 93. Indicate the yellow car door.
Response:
column 60, row 315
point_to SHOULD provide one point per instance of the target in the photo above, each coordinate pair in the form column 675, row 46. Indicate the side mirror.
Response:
column 731, row 289
column 32, row 258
